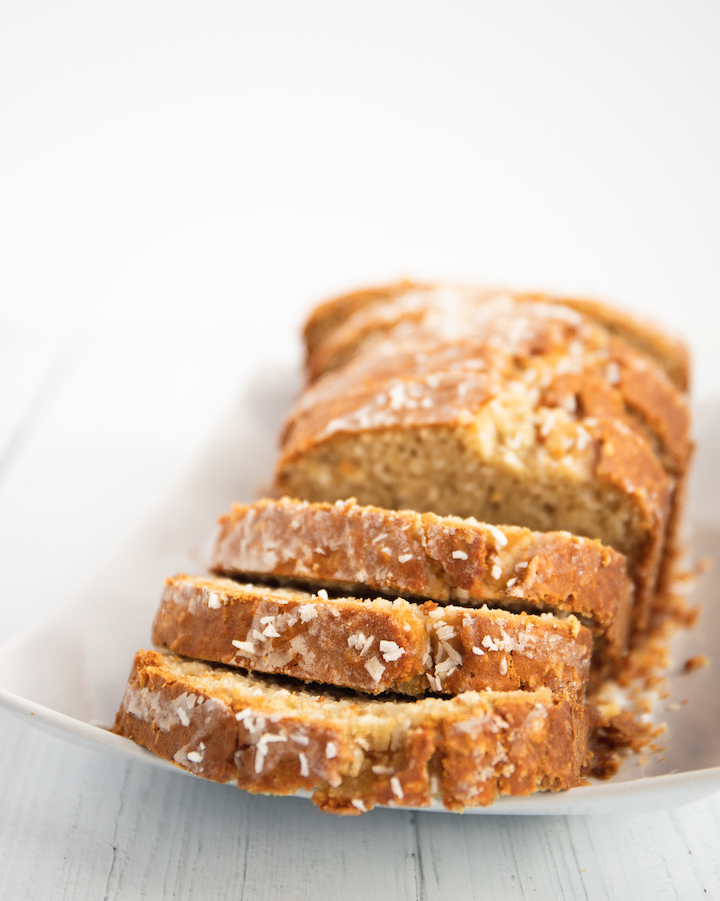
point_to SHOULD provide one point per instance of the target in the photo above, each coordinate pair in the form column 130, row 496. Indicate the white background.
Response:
column 229, row 163
column 179, row 182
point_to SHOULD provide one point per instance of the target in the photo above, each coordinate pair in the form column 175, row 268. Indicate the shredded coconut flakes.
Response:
column 445, row 631
column 391, row 650
column 375, row 668
column 434, row 682
column 261, row 749
column 213, row 603
column 304, row 768
column 500, row 538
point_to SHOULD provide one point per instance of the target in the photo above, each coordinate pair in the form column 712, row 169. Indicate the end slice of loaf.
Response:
column 352, row 753
column 348, row 547
column 371, row 646
column 328, row 316
column 337, row 323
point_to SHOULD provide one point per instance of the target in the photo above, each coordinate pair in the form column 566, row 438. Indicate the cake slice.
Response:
column 352, row 752
column 346, row 547
column 372, row 646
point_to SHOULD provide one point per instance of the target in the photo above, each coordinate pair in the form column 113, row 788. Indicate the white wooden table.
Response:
column 87, row 447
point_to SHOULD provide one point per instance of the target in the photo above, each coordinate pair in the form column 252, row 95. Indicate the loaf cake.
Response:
column 477, row 499
column 349, row 548
column 372, row 646
column 519, row 411
column 352, row 753
column 609, row 363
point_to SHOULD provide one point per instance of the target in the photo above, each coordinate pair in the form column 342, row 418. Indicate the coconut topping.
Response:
column 391, row 651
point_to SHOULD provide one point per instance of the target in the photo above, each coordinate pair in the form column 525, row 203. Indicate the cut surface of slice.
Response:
column 352, row 752
column 372, row 646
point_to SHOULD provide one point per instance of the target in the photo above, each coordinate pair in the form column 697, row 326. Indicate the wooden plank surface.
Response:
column 82, row 824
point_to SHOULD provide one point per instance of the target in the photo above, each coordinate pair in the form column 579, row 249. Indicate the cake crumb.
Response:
column 697, row 662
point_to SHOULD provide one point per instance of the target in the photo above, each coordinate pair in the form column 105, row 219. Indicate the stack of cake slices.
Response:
column 379, row 634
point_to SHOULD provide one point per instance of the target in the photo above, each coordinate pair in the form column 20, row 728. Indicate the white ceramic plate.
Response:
column 66, row 676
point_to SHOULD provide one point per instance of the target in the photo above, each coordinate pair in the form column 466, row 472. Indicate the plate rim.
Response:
column 704, row 781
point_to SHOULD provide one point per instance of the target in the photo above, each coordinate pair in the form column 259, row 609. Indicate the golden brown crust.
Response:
column 641, row 396
column 667, row 351
column 347, row 547
column 352, row 753
column 423, row 321
column 333, row 316
column 327, row 316
column 623, row 463
column 141, row 718
column 370, row 646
